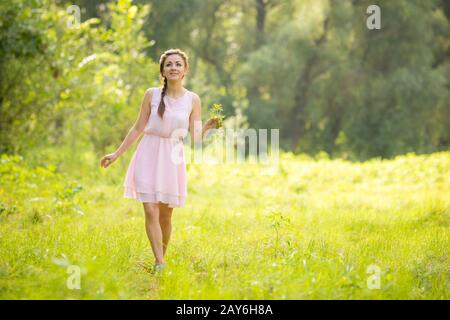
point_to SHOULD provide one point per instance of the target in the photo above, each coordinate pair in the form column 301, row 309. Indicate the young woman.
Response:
column 154, row 177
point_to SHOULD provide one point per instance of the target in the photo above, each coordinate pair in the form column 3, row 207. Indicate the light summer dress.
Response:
column 157, row 170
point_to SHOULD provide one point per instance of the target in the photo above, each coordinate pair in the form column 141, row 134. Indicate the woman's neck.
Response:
column 174, row 89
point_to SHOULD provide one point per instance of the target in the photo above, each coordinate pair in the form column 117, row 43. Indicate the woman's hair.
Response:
column 162, row 60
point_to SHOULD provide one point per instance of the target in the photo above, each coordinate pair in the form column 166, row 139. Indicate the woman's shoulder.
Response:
column 195, row 97
column 195, row 102
column 151, row 90
column 150, row 96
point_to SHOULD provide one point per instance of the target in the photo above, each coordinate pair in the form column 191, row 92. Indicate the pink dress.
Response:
column 157, row 170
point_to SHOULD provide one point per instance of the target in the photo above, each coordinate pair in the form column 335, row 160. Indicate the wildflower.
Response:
column 215, row 113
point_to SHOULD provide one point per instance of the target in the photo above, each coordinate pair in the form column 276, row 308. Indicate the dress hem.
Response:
column 154, row 197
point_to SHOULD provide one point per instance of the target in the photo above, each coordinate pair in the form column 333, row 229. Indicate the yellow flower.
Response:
column 215, row 112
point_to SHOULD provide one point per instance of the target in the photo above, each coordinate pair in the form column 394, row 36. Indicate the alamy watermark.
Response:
column 229, row 146
column 374, row 20
column 374, row 278
column 74, row 279
column 75, row 11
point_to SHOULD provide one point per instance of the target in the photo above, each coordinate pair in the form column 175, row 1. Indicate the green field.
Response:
column 308, row 229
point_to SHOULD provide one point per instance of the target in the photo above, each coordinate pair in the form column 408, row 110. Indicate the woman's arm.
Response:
column 135, row 131
column 139, row 126
column 196, row 130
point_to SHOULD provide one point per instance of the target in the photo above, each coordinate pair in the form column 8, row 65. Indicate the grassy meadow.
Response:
column 310, row 228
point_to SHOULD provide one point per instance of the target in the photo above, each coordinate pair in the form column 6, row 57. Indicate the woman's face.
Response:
column 174, row 68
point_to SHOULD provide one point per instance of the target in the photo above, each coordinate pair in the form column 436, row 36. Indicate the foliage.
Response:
column 310, row 68
column 36, row 192
column 88, row 74
column 308, row 229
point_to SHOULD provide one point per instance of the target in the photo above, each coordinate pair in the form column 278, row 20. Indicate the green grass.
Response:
column 308, row 229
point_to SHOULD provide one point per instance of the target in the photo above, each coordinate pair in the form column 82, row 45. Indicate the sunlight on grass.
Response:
column 308, row 230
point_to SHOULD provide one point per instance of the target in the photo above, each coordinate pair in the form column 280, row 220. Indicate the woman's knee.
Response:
column 165, row 216
column 151, row 211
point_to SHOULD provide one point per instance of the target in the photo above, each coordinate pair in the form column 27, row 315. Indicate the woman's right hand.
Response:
column 108, row 159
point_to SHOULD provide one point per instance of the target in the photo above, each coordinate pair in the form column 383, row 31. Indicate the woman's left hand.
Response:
column 212, row 123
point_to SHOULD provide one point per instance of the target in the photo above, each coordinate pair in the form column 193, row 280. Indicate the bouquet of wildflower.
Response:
column 215, row 113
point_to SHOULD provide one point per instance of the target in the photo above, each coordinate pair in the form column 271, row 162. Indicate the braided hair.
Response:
column 162, row 60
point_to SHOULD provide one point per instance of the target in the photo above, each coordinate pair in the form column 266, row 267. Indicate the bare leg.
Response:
column 165, row 221
column 153, row 230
